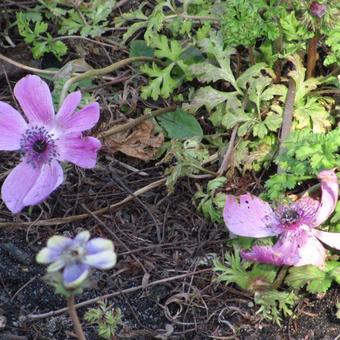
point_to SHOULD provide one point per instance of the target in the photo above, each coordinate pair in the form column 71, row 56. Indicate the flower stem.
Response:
column 99, row 72
column 312, row 55
column 74, row 316
column 280, row 277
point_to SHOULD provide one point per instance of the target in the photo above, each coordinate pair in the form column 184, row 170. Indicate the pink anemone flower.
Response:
column 298, row 243
column 44, row 140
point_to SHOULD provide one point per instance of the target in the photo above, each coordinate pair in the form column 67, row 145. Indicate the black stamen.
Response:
column 289, row 216
column 40, row 146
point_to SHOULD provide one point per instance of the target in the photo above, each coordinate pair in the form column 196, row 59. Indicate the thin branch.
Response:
column 110, row 295
column 192, row 17
column 287, row 118
column 75, row 218
column 135, row 122
column 229, row 152
column 25, row 67
column 312, row 55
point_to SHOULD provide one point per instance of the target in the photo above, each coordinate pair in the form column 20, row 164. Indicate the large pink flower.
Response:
column 298, row 243
column 43, row 140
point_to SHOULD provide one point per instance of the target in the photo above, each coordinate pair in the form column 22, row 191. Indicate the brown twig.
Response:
column 312, row 55
column 110, row 295
column 135, row 122
column 75, row 218
column 227, row 155
column 252, row 59
column 25, row 67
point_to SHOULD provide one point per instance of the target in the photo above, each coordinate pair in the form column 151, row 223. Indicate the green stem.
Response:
column 74, row 316
column 99, row 72
column 191, row 17
column 280, row 277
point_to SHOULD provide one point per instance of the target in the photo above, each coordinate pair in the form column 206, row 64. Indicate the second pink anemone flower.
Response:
column 298, row 243
column 44, row 140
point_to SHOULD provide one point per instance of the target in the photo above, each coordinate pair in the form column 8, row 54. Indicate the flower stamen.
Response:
column 289, row 216
column 38, row 146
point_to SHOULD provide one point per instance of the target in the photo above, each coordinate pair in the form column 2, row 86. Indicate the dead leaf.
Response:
column 141, row 142
column 76, row 65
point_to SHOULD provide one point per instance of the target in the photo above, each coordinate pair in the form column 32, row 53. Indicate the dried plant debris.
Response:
column 141, row 142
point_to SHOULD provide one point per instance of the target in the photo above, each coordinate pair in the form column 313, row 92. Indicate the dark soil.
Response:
column 193, row 307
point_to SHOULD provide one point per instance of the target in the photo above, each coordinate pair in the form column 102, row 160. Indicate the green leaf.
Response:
column 155, row 22
column 216, row 183
column 39, row 49
column 191, row 55
column 316, row 280
column 273, row 121
column 248, row 276
column 256, row 89
column 303, row 87
column 230, row 119
column 166, row 49
column 135, row 27
column 206, row 71
column 259, row 130
column 292, row 28
column 274, row 303
column 138, row 48
column 40, row 27
column 210, row 98
column 163, row 83
column 333, row 41
column 312, row 114
column 180, row 124
column 249, row 74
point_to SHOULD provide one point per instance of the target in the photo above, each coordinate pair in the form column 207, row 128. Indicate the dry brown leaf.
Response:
column 141, row 142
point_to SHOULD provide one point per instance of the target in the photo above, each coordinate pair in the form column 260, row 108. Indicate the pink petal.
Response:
column 79, row 150
column 12, row 127
column 35, row 99
column 329, row 196
column 250, row 217
column 308, row 208
column 51, row 176
column 68, row 106
column 312, row 252
column 80, row 121
column 17, row 184
column 331, row 239
column 284, row 252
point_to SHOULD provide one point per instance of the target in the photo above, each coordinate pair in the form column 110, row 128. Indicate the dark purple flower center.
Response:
column 289, row 216
column 38, row 146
